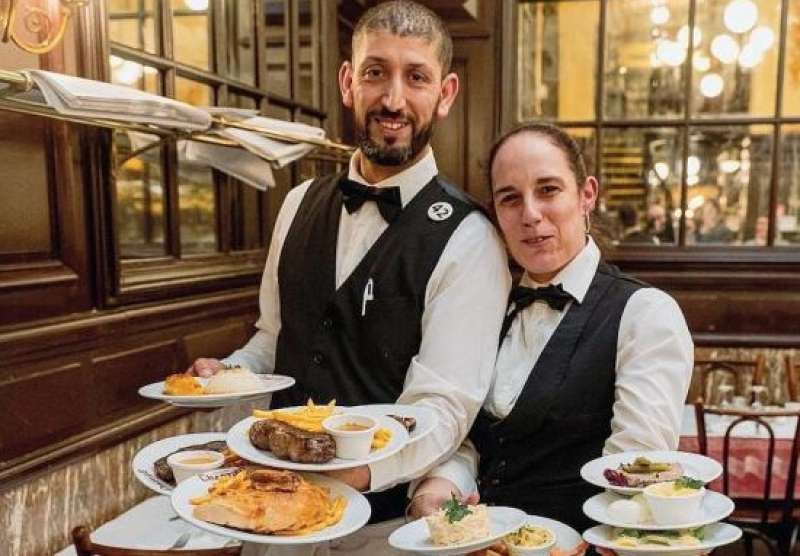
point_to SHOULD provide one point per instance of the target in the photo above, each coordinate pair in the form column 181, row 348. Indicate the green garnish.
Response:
column 688, row 482
column 455, row 510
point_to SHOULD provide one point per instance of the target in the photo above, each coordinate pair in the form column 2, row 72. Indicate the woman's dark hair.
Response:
column 557, row 136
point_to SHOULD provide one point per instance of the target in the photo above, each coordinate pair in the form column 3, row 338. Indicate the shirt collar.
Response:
column 410, row 181
column 577, row 276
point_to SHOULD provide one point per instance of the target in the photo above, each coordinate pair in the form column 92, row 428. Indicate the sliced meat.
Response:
column 291, row 443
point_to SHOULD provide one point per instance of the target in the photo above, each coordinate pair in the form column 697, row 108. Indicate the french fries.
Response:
column 381, row 438
column 309, row 418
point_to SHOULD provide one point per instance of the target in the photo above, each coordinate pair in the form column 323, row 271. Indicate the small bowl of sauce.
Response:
column 193, row 462
column 352, row 433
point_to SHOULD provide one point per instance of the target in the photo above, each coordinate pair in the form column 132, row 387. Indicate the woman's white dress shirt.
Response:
column 655, row 357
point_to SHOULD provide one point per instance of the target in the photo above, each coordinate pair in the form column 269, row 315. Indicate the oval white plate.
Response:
column 271, row 383
column 415, row 536
column 426, row 417
column 144, row 459
column 239, row 441
column 355, row 516
column 715, row 507
column 717, row 534
column 567, row 538
column 694, row 465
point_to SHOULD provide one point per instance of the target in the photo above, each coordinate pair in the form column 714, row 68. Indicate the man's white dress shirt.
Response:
column 655, row 356
column 464, row 303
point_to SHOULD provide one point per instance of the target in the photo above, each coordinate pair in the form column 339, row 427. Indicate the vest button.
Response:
column 317, row 358
column 494, row 482
column 500, row 440
column 385, row 353
column 327, row 323
column 501, row 463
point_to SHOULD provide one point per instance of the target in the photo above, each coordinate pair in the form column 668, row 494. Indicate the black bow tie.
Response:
column 555, row 296
column 356, row 194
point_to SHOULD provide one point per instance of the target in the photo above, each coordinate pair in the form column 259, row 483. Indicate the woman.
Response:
column 591, row 361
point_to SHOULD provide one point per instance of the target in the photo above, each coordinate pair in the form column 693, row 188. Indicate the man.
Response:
column 396, row 298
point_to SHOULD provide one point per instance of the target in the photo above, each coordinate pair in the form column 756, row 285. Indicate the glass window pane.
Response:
column 133, row 23
column 788, row 207
column 641, row 184
column 307, row 62
column 276, row 47
column 644, row 60
column 197, row 203
column 132, row 74
column 140, row 197
column 284, row 180
column 191, row 32
column 735, row 64
column 728, row 177
column 239, row 20
column 23, row 157
column 248, row 202
column 791, row 73
column 549, row 55
column 194, row 93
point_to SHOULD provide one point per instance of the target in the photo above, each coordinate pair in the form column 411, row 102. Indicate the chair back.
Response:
column 765, row 504
column 791, row 369
column 737, row 370
column 85, row 547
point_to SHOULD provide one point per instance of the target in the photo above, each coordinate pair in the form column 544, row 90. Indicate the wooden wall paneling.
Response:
column 216, row 342
column 451, row 134
column 118, row 376
column 42, row 405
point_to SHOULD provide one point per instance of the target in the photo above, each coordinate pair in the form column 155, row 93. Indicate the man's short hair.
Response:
column 407, row 19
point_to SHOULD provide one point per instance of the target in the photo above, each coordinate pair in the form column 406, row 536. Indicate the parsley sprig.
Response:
column 455, row 510
column 688, row 482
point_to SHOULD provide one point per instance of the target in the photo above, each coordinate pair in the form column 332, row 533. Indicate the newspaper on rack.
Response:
column 75, row 96
column 280, row 153
column 233, row 161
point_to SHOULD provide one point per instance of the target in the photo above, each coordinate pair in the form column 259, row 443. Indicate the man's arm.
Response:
column 655, row 357
column 258, row 354
column 451, row 374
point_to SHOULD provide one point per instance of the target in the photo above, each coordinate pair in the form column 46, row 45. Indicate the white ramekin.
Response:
column 183, row 470
column 351, row 444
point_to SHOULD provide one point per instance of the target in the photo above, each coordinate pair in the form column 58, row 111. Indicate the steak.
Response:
column 164, row 471
column 408, row 422
column 290, row 443
column 620, row 477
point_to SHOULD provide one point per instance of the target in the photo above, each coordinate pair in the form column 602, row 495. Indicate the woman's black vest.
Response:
column 344, row 343
column 532, row 458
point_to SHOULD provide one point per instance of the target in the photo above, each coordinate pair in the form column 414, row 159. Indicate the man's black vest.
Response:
column 355, row 343
column 532, row 458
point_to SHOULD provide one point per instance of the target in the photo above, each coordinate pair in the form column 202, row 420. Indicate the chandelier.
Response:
column 36, row 26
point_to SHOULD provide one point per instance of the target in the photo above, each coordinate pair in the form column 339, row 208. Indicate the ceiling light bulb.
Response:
column 196, row 5
column 701, row 62
column 659, row 15
column 711, row 85
column 127, row 73
column 729, row 166
column 693, row 165
column 750, row 56
column 740, row 16
column 696, row 202
column 683, row 36
column 692, row 180
column 662, row 170
column 670, row 52
column 762, row 37
column 725, row 49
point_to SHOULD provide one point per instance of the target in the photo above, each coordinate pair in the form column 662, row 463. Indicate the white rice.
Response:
column 233, row 381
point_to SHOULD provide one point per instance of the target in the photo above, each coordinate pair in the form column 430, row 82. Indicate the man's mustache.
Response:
column 388, row 114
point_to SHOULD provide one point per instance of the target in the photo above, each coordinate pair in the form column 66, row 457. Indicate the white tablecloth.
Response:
column 716, row 425
column 151, row 524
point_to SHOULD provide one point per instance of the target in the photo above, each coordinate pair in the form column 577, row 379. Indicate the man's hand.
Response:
column 357, row 477
column 204, row 367
column 432, row 493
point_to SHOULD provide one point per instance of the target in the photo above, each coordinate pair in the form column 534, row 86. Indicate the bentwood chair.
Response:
column 791, row 368
column 85, row 547
column 712, row 372
column 764, row 517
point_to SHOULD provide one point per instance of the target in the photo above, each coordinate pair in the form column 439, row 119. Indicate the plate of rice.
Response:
column 228, row 386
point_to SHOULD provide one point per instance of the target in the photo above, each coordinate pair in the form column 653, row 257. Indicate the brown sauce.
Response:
column 351, row 427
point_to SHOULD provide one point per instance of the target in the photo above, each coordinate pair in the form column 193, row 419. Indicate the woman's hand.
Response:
column 432, row 493
column 204, row 367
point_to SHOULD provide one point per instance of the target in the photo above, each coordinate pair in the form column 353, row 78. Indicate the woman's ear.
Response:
column 589, row 193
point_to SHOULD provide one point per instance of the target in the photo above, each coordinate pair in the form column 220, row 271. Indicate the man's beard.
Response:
column 391, row 155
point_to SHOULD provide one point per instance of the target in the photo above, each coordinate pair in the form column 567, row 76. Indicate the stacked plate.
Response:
column 662, row 521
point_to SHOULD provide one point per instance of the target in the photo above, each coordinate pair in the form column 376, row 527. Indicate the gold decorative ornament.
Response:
column 36, row 27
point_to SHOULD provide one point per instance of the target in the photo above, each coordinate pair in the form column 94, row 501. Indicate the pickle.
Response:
column 644, row 465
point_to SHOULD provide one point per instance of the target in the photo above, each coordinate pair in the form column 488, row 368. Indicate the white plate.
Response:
column 239, row 441
column 355, row 516
column 270, row 383
column 145, row 458
column 694, row 466
column 717, row 534
column 415, row 536
column 715, row 507
column 426, row 417
column 567, row 538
